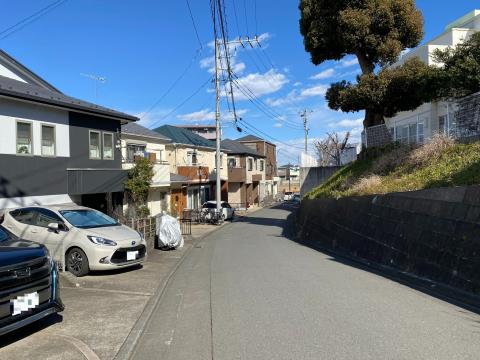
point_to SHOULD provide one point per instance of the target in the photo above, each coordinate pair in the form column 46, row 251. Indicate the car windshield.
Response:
column 87, row 219
column 209, row 205
column 3, row 234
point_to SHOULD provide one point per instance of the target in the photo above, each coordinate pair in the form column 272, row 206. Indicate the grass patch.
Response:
column 439, row 163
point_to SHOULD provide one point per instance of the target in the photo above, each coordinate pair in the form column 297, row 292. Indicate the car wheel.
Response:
column 77, row 262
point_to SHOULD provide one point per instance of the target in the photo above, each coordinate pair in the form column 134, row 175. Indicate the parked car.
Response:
column 288, row 196
column 297, row 199
column 29, row 288
column 227, row 210
column 81, row 238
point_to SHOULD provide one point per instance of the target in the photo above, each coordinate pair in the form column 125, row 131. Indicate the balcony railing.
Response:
column 237, row 174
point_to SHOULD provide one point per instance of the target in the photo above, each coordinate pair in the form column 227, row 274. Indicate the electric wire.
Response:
column 30, row 19
column 193, row 23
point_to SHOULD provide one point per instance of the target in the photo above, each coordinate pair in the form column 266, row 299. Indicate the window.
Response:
column 250, row 164
column 94, row 145
column 420, row 132
column 48, row 140
column 25, row 216
column 24, row 138
column 3, row 235
column 45, row 217
column 88, row 219
column 261, row 165
column 108, row 146
column 232, row 162
column 135, row 150
column 192, row 158
column 412, row 133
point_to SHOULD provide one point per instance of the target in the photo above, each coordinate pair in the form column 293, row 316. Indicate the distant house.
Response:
column 268, row 187
column 246, row 170
column 139, row 142
column 55, row 148
column 192, row 158
column 208, row 132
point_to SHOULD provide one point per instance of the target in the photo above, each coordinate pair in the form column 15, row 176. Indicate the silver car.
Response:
column 81, row 238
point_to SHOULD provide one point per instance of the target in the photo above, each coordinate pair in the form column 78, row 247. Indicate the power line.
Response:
column 30, row 19
column 193, row 23
column 182, row 103
column 175, row 82
column 246, row 17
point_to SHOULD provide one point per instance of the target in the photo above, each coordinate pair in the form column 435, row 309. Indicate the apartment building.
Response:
column 437, row 117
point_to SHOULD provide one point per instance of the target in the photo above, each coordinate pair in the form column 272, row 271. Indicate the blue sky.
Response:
column 143, row 46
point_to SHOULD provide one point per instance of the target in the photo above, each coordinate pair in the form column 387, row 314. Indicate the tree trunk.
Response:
column 373, row 118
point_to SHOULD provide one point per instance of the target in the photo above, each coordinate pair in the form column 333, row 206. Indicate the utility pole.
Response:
column 218, row 125
column 218, row 188
column 304, row 115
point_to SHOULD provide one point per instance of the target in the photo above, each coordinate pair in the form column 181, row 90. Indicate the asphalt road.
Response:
column 248, row 292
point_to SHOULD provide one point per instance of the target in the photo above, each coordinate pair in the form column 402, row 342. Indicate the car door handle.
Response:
column 34, row 231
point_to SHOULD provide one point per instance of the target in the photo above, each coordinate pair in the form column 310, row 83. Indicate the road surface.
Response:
column 248, row 292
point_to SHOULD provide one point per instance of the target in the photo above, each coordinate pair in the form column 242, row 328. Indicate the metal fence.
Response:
column 146, row 226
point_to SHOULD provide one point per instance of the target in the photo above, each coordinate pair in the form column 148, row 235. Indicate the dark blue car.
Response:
column 29, row 288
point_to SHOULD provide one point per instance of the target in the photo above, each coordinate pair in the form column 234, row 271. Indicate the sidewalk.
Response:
column 101, row 310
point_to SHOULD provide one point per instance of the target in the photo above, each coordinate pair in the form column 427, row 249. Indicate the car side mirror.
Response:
column 54, row 227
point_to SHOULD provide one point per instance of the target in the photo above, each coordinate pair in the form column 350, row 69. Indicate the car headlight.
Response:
column 101, row 241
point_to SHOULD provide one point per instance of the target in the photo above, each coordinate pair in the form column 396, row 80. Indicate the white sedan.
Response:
column 227, row 210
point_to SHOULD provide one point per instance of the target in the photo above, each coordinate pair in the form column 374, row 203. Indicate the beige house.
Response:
column 246, row 171
column 140, row 142
column 192, row 157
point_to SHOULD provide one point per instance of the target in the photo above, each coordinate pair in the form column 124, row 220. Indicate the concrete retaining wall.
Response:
column 432, row 233
column 311, row 177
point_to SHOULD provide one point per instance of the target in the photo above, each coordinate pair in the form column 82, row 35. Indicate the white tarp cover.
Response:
column 168, row 232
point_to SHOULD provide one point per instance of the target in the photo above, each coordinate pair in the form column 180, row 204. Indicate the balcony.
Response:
column 237, row 174
column 161, row 172
column 194, row 173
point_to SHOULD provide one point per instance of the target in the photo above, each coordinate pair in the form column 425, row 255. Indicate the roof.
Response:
column 235, row 147
column 139, row 130
column 178, row 135
column 178, row 178
column 28, row 92
column 13, row 65
column 253, row 138
column 197, row 126
column 250, row 138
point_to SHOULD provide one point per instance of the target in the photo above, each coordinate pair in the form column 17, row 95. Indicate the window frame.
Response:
column 250, row 164
column 262, row 165
column 103, row 145
column 99, row 144
column 32, row 150
column 53, row 126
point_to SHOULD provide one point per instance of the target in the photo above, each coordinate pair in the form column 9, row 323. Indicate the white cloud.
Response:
column 346, row 123
column 298, row 83
column 201, row 115
column 278, row 125
column 318, row 90
column 349, row 62
column 325, row 74
column 260, row 84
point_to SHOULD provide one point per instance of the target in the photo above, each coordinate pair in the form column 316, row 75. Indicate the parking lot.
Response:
column 101, row 310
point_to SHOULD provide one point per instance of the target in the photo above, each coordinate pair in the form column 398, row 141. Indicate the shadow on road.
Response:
column 420, row 284
column 29, row 330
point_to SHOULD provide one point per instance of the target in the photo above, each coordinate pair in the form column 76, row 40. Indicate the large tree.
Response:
column 376, row 32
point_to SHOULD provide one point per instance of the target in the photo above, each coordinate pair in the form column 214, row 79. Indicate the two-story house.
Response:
column 246, row 170
column 55, row 148
column 139, row 142
column 268, row 187
column 192, row 157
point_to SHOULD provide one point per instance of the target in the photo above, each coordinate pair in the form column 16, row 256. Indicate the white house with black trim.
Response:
column 55, row 148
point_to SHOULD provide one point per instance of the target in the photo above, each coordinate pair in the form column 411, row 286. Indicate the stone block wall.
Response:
column 431, row 233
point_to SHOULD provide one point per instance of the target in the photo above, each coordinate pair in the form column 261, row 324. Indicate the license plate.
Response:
column 132, row 255
column 25, row 303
